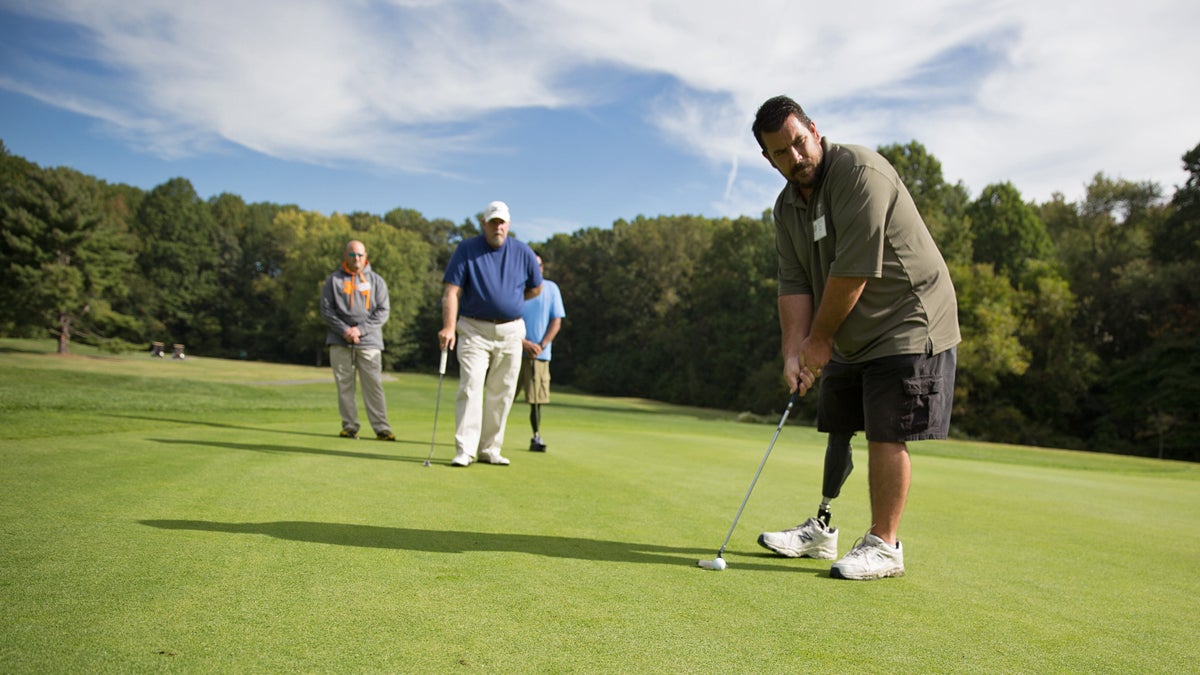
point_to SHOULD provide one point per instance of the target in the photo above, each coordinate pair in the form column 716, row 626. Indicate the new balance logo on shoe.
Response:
column 810, row 539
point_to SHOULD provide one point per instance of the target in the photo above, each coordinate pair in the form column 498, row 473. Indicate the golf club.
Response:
column 718, row 563
column 354, row 374
column 436, row 406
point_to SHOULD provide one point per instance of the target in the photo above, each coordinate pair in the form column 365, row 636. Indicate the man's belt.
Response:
column 495, row 321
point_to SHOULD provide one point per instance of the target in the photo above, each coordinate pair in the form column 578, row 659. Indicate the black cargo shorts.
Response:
column 893, row 399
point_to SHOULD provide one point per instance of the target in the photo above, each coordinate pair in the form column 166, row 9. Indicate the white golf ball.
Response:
column 719, row 564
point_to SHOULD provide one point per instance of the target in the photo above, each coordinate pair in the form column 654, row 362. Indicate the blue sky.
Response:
column 581, row 113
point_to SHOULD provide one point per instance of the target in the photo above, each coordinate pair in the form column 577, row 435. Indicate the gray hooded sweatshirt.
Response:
column 355, row 300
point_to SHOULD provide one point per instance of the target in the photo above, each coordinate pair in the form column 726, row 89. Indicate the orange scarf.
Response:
column 349, row 286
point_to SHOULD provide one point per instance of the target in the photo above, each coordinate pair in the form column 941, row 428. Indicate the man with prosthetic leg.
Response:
column 866, row 305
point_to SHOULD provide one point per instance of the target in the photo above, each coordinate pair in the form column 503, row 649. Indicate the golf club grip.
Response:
column 442, row 365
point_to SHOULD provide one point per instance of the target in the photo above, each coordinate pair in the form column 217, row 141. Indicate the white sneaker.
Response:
column 493, row 457
column 871, row 558
column 461, row 459
column 810, row 539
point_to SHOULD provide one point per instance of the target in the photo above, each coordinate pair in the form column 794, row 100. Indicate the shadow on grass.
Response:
column 220, row 425
column 450, row 541
column 241, row 427
column 254, row 447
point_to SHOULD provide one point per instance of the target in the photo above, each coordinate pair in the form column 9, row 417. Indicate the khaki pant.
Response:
column 489, row 361
column 535, row 380
column 367, row 364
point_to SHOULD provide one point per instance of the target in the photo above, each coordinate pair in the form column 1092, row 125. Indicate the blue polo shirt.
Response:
column 539, row 311
column 493, row 280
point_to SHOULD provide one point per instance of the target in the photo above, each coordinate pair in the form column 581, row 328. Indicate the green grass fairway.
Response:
column 203, row 516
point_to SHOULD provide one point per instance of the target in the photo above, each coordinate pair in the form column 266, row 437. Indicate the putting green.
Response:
column 203, row 516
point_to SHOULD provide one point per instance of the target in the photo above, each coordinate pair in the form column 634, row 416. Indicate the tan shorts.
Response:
column 535, row 380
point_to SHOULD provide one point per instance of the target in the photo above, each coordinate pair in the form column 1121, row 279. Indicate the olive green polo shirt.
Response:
column 860, row 221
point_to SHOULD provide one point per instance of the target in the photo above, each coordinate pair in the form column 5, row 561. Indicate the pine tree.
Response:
column 61, row 253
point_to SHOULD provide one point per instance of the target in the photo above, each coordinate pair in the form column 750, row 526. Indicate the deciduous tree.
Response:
column 1007, row 232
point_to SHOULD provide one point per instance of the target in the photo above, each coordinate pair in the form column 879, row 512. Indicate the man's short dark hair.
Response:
column 772, row 114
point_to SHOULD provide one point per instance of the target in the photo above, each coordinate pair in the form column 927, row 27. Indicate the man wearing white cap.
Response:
column 487, row 282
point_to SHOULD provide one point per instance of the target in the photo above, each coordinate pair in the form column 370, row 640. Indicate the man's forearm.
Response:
column 450, row 308
column 839, row 298
column 551, row 332
column 795, row 321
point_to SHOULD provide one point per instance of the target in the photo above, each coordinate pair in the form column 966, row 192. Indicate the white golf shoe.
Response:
column 871, row 558
column 493, row 456
column 810, row 539
column 462, row 459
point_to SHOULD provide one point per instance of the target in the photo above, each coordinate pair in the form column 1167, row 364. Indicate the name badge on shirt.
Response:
column 819, row 228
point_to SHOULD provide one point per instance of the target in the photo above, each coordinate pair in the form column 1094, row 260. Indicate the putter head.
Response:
column 427, row 463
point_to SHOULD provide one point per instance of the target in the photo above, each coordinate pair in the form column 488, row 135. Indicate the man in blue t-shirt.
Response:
column 543, row 319
column 487, row 282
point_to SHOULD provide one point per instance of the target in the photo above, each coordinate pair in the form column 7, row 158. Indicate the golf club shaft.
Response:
column 787, row 411
column 437, row 406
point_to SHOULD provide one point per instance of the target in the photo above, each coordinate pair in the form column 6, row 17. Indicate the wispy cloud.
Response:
column 1040, row 93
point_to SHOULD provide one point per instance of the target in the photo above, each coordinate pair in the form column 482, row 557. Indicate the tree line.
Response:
column 1080, row 319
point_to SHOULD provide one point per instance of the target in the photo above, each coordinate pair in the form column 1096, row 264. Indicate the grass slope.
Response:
column 201, row 516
